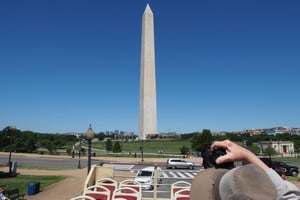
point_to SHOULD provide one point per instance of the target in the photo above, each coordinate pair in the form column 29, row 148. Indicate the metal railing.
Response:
column 160, row 190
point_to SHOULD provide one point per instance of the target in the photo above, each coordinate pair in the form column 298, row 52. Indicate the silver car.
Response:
column 177, row 163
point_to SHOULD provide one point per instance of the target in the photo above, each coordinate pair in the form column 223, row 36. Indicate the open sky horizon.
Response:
column 220, row 65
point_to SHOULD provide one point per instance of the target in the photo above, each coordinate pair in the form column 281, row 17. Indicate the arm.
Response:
column 285, row 189
column 237, row 153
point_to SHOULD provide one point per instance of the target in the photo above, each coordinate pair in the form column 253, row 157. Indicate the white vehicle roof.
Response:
column 150, row 169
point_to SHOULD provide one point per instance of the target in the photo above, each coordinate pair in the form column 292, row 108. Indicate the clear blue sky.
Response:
column 221, row 65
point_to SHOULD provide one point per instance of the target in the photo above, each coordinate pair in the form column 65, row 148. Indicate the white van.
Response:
column 145, row 176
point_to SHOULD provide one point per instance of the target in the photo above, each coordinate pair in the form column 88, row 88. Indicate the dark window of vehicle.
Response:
column 145, row 173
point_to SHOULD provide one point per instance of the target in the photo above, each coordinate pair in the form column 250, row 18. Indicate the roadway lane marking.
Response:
column 188, row 174
column 173, row 175
column 165, row 175
column 119, row 167
column 181, row 175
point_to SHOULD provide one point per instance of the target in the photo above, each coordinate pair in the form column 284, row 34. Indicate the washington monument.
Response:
column 148, row 115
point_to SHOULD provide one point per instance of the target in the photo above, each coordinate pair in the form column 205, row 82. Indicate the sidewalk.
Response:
column 73, row 184
column 70, row 187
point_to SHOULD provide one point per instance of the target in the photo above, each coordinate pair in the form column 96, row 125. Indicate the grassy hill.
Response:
column 150, row 146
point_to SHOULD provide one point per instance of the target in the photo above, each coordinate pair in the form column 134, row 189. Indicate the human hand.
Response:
column 235, row 152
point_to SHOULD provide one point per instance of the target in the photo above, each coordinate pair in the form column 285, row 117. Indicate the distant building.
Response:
column 253, row 131
column 277, row 130
column 295, row 131
column 281, row 147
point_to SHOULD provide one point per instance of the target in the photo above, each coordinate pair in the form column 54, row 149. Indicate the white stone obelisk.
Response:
column 148, row 115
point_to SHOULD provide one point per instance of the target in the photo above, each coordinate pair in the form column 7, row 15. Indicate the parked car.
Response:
column 145, row 176
column 287, row 169
column 281, row 167
column 177, row 163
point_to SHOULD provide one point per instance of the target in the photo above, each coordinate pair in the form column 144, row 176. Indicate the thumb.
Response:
column 223, row 159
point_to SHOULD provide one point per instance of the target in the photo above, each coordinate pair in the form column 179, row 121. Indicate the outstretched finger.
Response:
column 219, row 144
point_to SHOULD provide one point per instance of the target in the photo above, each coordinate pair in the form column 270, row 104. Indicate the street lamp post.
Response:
column 89, row 136
column 11, row 131
column 142, row 150
column 78, row 146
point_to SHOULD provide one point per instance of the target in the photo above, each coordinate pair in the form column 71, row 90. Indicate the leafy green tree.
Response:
column 109, row 145
column 283, row 137
column 206, row 138
column 234, row 137
column 195, row 141
column 254, row 148
column 297, row 146
column 27, row 145
column 49, row 145
column 187, row 136
column 184, row 150
column 269, row 151
column 100, row 136
column 219, row 137
column 117, row 147
column 263, row 137
column 202, row 140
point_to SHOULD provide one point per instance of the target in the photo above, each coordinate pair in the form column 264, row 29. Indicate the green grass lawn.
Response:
column 291, row 178
column 172, row 146
column 45, row 168
column 286, row 159
column 169, row 148
column 22, row 181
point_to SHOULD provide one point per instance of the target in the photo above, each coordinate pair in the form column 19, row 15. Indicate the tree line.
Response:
column 202, row 140
column 12, row 139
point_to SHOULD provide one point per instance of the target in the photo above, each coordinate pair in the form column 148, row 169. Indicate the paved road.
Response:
column 45, row 161
column 170, row 176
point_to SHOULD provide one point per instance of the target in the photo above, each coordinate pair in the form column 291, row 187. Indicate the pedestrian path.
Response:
column 119, row 167
column 70, row 187
column 174, row 174
column 180, row 174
